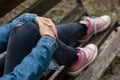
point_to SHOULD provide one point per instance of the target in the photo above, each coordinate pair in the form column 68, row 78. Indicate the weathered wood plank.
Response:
column 107, row 54
column 56, row 73
column 40, row 7
column 7, row 5
column 73, row 15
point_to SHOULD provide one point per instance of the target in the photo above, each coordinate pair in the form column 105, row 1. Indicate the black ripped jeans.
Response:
column 24, row 38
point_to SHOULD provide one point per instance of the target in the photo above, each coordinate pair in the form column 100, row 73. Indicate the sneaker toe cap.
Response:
column 106, row 18
column 92, row 46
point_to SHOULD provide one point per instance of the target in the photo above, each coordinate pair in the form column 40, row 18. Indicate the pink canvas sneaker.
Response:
column 86, row 56
column 95, row 25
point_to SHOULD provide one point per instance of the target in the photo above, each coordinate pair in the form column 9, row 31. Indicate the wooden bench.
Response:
column 40, row 7
column 96, row 69
column 107, row 52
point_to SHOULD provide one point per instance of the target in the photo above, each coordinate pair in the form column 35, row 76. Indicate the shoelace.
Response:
column 94, row 21
column 85, row 53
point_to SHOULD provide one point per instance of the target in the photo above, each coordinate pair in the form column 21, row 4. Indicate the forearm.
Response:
column 33, row 66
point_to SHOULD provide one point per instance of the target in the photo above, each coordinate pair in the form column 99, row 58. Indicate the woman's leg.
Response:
column 65, row 55
column 20, row 43
column 69, row 33
column 66, row 32
column 24, row 39
column 66, row 52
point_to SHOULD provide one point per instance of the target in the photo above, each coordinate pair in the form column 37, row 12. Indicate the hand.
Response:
column 46, row 27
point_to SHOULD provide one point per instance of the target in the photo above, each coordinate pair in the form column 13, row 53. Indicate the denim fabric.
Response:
column 6, row 29
column 66, row 32
column 70, row 32
column 33, row 66
column 21, row 41
column 25, row 38
column 2, row 64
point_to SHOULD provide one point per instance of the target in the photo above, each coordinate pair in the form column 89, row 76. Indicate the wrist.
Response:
column 36, row 20
column 50, row 36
